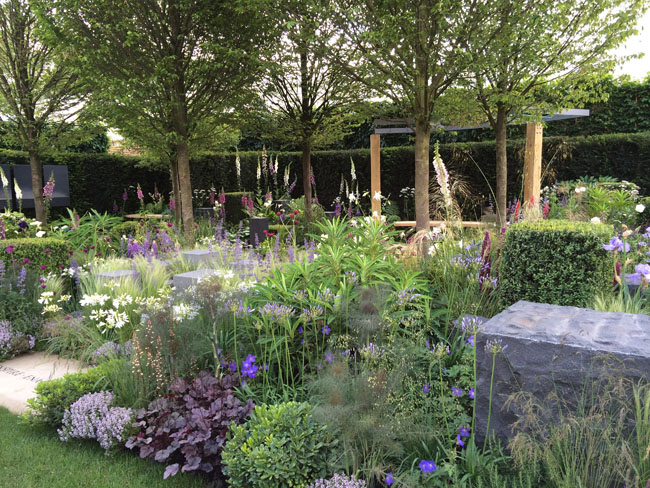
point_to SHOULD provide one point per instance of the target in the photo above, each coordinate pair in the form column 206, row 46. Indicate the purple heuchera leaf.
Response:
column 188, row 426
column 171, row 470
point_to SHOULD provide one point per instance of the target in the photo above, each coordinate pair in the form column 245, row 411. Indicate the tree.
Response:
column 411, row 51
column 39, row 91
column 537, row 42
column 312, row 96
column 165, row 71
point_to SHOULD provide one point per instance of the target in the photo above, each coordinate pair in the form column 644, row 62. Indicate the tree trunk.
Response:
column 306, row 179
column 422, row 174
column 173, row 171
column 37, row 185
column 502, row 166
column 185, row 188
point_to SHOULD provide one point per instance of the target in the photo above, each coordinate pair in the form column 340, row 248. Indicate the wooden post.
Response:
column 375, row 173
column 533, row 163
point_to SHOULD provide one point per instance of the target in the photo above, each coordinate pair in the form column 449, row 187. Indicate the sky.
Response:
column 638, row 69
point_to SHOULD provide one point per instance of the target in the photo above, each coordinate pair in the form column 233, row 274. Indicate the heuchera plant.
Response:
column 187, row 428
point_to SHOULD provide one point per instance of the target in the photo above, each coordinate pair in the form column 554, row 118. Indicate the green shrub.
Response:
column 44, row 251
column 53, row 397
column 281, row 445
column 128, row 228
column 233, row 207
column 555, row 261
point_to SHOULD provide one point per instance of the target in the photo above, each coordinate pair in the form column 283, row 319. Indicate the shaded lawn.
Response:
column 35, row 458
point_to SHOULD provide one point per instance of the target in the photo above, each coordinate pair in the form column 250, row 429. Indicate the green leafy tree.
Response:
column 411, row 51
column 313, row 100
column 39, row 92
column 540, row 42
column 165, row 72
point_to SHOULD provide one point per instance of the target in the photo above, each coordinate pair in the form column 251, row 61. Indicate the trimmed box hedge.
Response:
column 41, row 251
column 555, row 261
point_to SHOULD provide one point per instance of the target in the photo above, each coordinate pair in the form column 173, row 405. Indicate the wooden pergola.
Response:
column 532, row 156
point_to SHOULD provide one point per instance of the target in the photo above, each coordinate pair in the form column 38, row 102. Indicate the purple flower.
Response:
column 463, row 431
column 470, row 340
column 426, row 388
column 459, row 441
column 329, row 357
column 326, row 330
column 232, row 366
column 427, row 466
column 389, row 478
column 616, row 244
column 471, row 393
column 457, row 392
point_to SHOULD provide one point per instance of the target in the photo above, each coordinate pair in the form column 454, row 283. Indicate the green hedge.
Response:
column 44, row 251
column 53, row 397
column 233, row 207
column 555, row 261
column 98, row 180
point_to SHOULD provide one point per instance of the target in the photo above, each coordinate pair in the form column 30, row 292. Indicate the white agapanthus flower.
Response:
column 40, row 233
column 377, row 196
column 580, row 189
column 595, row 220
column 93, row 300
column 639, row 208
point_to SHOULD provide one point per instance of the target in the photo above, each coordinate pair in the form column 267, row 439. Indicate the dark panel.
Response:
column 23, row 175
column 61, row 196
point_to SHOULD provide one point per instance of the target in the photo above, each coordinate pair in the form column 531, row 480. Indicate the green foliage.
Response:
column 91, row 229
column 44, row 251
column 128, row 228
column 53, row 397
column 555, row 261
column 280, row 446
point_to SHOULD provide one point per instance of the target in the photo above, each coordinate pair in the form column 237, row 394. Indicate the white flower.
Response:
column 3, row 178
column 352, row 197
column 375, row 214
column 18, row 191
column 40, row 233
column 92, row 300
column 377, row 196
column 52, row 308
column 432, row 249
column 595, row 220
column 324, row 236
column 639, row 208
column 36, row 223
column 580, row 189
column 268, row 203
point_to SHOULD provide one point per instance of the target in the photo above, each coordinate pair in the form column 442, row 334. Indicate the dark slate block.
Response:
column 183, row 281
column 200, row 256
column 23, row 175
column 551, row 348
column 119, row 274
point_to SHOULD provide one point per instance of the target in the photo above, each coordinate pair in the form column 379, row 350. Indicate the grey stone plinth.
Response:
column 552, row 349
column 118, row 275
column 199, row 257
column 184, row 280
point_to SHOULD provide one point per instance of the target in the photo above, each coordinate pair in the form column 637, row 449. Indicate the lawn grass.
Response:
column 35, row 458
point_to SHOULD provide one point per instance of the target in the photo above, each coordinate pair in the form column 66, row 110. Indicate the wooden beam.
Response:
column 533, row 163
column 375, row 173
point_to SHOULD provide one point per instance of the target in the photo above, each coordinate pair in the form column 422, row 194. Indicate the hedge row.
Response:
column 98, row 180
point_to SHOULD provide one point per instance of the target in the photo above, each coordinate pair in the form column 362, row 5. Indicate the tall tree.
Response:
column 312, row 96
column 39, row 91
column 166, row 67
column 537, row 42
column 411, row 51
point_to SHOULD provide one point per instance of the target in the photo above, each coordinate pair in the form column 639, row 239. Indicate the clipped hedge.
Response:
column 53, row 397
column 41, row 251
column 555, row 261
column 98, row 180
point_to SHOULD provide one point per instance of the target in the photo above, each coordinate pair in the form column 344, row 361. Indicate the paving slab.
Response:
column 20, row 375
column 198, row 257
column 183, row 281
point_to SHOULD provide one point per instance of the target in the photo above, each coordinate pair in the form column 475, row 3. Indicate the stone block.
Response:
column 118, row 275
column 552, row 348
column 199, row 257
column 184, row 280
